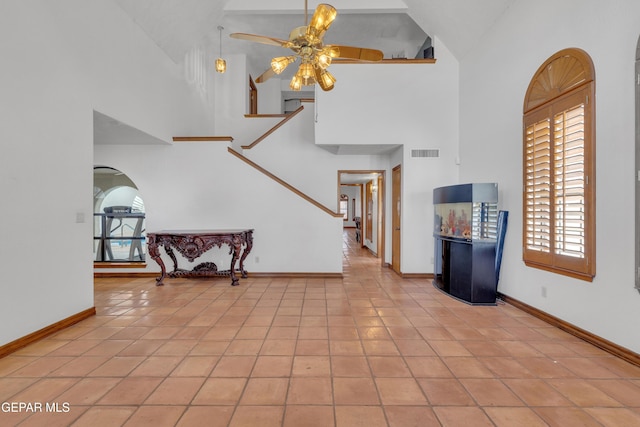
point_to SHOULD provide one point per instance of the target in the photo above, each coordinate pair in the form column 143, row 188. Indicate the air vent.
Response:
column 425, row 153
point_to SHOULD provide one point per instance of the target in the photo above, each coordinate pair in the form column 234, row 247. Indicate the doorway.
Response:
column 366, row 189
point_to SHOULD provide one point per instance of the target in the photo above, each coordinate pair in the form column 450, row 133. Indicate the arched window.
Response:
column 559, row 166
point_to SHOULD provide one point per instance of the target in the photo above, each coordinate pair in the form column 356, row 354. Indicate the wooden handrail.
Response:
column 273, row 129
column 386, row 61
column 264, row 116
column 285, row 184
column 202, row 138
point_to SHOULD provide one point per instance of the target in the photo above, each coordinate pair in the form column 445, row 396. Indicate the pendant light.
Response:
column 221, row 64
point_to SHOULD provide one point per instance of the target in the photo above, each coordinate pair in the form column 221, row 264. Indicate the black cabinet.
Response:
column 465, row 232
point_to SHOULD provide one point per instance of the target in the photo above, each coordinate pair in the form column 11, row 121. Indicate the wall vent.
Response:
column 425, row 153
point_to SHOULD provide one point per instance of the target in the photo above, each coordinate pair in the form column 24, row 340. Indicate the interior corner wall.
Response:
column 231, row 96
column 269, row 96
column 62, row 60
column 419, row 115
column 493, row 83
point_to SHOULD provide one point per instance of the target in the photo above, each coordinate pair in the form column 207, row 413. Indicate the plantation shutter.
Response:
column 570, row 183
column 537, row 188
column 559, row 167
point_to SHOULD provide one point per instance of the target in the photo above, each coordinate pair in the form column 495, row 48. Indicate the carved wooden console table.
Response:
column 193, row 243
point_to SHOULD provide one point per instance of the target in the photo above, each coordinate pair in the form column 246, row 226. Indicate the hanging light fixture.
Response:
column 221, row 64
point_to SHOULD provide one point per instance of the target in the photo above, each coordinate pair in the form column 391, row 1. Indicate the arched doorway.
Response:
column 119, row 213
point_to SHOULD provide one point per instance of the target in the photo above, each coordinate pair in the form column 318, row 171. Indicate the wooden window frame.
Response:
column 566, row 81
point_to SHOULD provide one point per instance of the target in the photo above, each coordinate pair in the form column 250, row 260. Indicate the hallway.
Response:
column 370, row 349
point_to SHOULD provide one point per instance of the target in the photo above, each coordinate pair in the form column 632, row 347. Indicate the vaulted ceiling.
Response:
column 397, row 27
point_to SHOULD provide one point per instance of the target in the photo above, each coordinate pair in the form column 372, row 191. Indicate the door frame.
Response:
column 397, row 256
column 380, row 247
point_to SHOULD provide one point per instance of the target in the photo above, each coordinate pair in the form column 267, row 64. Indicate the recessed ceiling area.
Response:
column 393, row 26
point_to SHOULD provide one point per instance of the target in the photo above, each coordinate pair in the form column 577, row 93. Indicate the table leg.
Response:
column 236, row 245
column 154, row 252
column 245, row 253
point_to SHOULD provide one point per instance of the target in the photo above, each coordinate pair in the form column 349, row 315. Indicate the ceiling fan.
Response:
column 315, row 57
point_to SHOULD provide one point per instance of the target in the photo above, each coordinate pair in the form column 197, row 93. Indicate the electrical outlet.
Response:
column 257, row 259
column 431, row 260
column 543, row 291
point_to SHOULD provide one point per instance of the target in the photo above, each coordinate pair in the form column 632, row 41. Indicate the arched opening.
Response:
column 119, row 213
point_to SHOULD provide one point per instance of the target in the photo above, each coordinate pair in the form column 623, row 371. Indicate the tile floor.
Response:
column 370, row 349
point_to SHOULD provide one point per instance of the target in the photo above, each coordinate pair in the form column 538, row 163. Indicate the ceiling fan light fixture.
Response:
column 325, row 79
column 321, row 20
column 315, row 57
column 279, row 64
column 296, row 82
column 306, row 70
column 323, row 60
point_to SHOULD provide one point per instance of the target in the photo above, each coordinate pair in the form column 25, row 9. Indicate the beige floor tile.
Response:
column 307, row 347
column 105, row 416
column 411, row 416
column 195, row 366
column 175, row 391
column 210, row 416
column 263, row 416
column 130, row 391
column 87, row 391
column 156, row 366
column 234, row 366
column 400, row 391
column 350, row 366
column 490, row 392
column 460, row 416
column 508, row 417
column 310, row 391
column 566, row 417
column 308, row 416
column 220, row 391
column 370, row 416
column 355, row 391
column 388, row 366
column 445, row 392
column 265, row 391
column 311, row 366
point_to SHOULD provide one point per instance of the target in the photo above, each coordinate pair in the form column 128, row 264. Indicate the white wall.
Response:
column 202, row 186
column 418, row 110
column 494, row 79
column 269, row 96
column 61, row 60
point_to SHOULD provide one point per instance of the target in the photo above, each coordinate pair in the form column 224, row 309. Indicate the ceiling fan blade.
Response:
column 357, row 53
column 260, row 39
column 321, row 20
column 265, row 76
